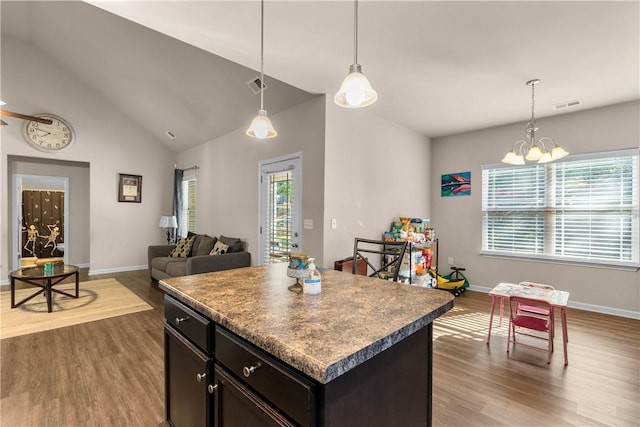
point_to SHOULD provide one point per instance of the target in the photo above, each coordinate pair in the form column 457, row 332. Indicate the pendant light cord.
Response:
column 262, row 55
column 355, row 32
column 533, row 88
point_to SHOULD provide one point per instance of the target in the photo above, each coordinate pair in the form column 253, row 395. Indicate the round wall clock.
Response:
column 52, row 137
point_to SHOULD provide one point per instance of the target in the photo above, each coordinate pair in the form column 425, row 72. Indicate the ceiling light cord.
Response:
column 355, row 32
column 262, row 55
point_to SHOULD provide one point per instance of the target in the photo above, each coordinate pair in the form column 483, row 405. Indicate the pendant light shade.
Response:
column 261, row 127
column 355, row 90
column 531, row 149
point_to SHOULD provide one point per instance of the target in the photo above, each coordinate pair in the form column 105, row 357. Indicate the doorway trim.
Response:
column 16, row 214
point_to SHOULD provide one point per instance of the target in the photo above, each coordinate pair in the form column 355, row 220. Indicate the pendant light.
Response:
column 355, row 91
column 261, row 127
column 532, row 149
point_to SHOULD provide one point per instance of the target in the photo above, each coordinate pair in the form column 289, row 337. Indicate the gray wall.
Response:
column 375, row 171
column 228, row 177
column 107, row 140
column 458, row 220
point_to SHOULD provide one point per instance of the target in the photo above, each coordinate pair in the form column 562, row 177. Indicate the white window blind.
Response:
column 583, row 209
column 189, row 205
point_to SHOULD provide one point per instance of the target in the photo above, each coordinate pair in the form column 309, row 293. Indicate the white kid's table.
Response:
column 557, row 299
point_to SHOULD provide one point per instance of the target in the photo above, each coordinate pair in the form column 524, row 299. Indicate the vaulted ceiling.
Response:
column 440, row 67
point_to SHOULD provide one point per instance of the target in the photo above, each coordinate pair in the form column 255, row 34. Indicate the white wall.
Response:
column 228, row 177
column 106, row 139
column 375, row 171
column 458, row 220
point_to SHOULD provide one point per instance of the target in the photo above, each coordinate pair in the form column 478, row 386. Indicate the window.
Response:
column 189, row 203
column 582, row 209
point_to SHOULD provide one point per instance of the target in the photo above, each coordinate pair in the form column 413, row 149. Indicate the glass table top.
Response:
column 41, row 272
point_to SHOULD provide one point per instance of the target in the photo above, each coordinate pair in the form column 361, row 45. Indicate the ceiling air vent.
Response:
column 564, row 105
column 254, row 85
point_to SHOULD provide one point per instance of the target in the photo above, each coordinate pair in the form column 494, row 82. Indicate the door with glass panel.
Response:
column 280, row 208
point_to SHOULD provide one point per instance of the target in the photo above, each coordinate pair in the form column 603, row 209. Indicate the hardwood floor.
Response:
column 110, row 372
column 480, row 385
column 104, row 373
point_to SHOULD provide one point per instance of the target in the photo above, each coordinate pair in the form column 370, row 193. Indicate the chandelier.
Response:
column 542, row 150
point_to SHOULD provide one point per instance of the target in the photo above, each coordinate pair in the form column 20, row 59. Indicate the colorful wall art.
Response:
column 456, row 184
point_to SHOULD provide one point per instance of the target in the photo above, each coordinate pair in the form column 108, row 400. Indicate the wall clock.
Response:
column 50, row 138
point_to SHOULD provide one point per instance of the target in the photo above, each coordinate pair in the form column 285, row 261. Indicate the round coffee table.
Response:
column 44, row 279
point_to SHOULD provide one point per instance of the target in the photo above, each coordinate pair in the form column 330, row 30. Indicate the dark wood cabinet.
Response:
column 187, row 370
column 237, row 406
column 233, row 383
column 188, row 364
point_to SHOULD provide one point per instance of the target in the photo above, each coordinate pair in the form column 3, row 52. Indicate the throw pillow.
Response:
column 182, row 248
column 235, row 244
column 219, row 248
column 205, row 247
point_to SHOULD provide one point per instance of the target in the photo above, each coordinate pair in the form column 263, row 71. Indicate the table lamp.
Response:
column 169, row 222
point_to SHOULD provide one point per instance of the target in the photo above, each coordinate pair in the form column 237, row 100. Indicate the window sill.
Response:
column 562, row 261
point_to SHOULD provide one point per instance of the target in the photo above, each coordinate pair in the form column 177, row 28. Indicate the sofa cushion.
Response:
column 205, row 246
column 176, row 269
column 183, row 247
column 161, row 262
column 219, row 248
column 235, row 244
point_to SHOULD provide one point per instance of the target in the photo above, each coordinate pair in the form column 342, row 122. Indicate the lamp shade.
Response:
column 513, row 158
column 558, row 153
column 261, row 127
column 355, row 90
column 168, row 221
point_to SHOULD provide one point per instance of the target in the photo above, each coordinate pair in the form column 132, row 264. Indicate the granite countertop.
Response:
column 324, row 335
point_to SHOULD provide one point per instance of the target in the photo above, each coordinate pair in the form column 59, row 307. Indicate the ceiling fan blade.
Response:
column 3, row 123
column 25, row 117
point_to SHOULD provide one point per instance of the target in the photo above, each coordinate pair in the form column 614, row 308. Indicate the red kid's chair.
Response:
column 530, row 309
column 538, row 326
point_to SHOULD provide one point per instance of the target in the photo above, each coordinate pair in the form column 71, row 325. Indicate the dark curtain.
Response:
column 177, row 202
column 42, row 223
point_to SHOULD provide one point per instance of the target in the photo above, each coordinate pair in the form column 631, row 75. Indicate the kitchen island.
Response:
column 359, row 353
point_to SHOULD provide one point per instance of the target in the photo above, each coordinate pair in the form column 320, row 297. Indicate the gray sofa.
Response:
column 162, row 266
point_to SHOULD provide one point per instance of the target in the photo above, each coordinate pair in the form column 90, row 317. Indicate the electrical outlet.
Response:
column 450, row 260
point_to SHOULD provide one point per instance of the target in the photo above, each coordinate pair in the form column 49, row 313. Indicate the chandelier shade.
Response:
column 532, row 149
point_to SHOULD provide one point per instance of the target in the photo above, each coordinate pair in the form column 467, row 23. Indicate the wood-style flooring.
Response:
column 110, row 372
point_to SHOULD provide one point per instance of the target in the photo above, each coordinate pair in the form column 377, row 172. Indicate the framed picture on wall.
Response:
column 456, row 184
column 129, row 188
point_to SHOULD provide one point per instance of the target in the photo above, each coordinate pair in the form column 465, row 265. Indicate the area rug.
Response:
column 99, row 299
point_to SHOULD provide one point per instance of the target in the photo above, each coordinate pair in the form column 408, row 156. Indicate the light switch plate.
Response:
column 334, row 223
column 308, row 224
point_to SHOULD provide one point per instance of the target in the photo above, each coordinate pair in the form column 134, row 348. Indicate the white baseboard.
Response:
column 117, row 269
column 582, row 306
column 7, row 282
